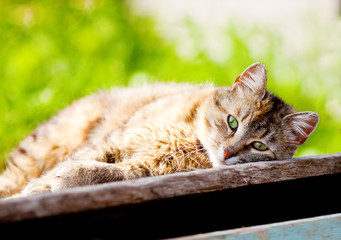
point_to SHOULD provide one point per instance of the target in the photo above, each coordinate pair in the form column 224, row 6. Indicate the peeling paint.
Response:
column 324, row 227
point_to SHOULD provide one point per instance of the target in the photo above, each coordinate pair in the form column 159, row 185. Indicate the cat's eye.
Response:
column 233, row 124
column 259, row 146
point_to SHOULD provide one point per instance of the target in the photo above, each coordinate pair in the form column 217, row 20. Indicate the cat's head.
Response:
column 247, row 123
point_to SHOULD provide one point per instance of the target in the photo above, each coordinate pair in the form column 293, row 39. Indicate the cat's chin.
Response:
column 231, row 160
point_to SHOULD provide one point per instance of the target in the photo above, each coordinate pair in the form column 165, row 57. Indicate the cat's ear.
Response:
column 300, row 125
column 253, row 80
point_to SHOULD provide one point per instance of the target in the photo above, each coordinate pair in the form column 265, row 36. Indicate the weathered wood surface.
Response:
column 324, row 227
column 153, row 188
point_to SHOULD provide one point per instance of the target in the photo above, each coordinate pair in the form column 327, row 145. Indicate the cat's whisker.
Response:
column 194, row 151
column 182, row 149
column 185, row 156
column 200, row 157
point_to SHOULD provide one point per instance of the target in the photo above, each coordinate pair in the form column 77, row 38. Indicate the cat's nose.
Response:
column 227, row 153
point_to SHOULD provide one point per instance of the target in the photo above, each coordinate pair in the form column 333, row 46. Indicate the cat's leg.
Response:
column 90, row 165
column 89, row 172
column 49, row 143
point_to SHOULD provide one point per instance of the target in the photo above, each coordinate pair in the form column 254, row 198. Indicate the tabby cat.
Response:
column 158, row 129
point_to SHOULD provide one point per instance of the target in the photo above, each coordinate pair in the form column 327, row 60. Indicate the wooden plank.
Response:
column 83, row 199
column 323, row 227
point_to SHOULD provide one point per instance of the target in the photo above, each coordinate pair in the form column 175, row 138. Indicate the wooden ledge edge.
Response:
column 160, row 187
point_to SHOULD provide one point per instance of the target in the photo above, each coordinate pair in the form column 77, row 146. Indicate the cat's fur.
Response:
column 158, row 129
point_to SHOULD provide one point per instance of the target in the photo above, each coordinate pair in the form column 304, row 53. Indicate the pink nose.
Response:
column 227, row 154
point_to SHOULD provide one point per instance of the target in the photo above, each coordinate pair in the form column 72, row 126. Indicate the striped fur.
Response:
column 158, row 129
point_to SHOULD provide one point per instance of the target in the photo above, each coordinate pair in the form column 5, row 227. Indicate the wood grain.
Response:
column 87, row 198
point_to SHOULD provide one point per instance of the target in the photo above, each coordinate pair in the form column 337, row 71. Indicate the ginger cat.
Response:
column 129, row 133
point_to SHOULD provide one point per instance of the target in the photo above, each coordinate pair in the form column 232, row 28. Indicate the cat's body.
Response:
column 157, row 129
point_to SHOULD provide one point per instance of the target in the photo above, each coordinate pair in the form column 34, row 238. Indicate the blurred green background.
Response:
column 54, row 52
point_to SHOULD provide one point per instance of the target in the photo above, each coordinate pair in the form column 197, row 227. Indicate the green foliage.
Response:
column 53, row 53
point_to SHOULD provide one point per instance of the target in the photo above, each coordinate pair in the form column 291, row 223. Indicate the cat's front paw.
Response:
column 36, row 186
column 68, row 175
column 51, row 182
column 72, row 174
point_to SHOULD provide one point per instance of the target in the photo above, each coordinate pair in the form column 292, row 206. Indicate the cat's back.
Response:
column 147, row 93
column 119, row 105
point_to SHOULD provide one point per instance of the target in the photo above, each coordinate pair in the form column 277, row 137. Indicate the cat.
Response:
column 157, row 129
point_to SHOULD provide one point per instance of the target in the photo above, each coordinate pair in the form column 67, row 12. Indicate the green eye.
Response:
column 259, row 146
column 232, row 123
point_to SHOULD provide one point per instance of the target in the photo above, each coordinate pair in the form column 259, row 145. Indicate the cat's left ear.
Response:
column 300, row 125
column 252, row 80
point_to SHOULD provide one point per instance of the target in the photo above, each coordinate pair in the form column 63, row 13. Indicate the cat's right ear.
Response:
column 300, row 125
column 252, row 80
